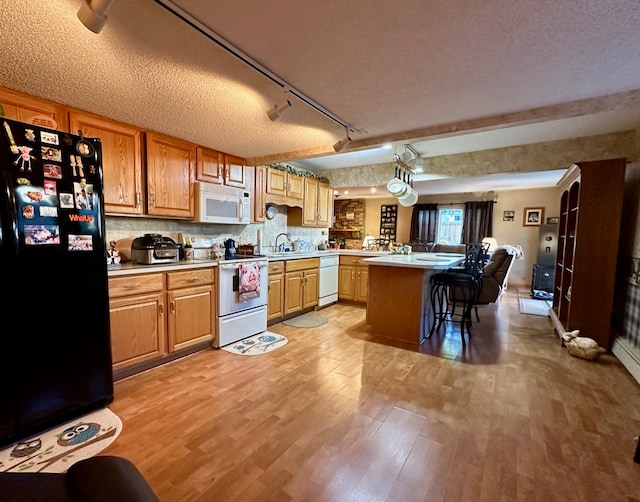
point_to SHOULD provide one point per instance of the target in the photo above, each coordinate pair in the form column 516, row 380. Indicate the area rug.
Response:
column 534, row 307
column 257, row 344
column 56, row 449
column 306, row 321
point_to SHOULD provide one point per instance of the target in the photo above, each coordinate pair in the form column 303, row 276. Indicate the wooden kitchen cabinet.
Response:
column 209, row 165
column 588, row 234
column 275, row 301
column 136, row 307
column 170, row 176
column 32, row 110
column 191, row 314
column 317, row 205
column 121, row 161
column 234, row 171
column 259, row 183
column 353, row 279
column 219, row 168
column 284, row 184
column 300, row 284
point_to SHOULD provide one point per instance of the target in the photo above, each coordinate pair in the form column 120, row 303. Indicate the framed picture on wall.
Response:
column 507, row 216
column 533, row 216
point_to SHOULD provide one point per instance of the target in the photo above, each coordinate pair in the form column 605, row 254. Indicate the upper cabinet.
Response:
column 210, row 165
column 284, row 184
column 219, row 168
column 316, row 206
column 121, row 161
column 18, row 106
column 170, row 176
column 234, row 168
column 259, row 209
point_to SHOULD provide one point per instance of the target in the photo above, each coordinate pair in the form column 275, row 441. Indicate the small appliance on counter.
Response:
column 153, row 248
column 230, row 249
column 248, row 250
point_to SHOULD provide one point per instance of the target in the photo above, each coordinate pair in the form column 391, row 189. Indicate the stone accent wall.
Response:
column 342, row 209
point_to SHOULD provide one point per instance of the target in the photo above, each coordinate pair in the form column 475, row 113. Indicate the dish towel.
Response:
column 249, row 279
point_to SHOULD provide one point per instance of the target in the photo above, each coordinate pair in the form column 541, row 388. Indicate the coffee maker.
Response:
column 230, row 249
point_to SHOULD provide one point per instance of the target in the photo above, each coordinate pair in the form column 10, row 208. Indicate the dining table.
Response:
column 398, row 303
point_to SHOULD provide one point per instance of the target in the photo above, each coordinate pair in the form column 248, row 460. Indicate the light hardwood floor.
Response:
column 337, row 416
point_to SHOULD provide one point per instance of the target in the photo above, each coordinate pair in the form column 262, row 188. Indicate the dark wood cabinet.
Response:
column 588, row 233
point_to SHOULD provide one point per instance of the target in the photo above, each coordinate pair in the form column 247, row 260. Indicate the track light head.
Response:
column 276, row 111
column 92, row 13
column 338, row 146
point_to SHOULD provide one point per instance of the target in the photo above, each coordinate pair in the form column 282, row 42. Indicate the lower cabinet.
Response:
column 301, row 284
column 275, row 301
column 353, row 279
column 136, row 306
column 154, row 316
column 293, row 287
column 191, row 315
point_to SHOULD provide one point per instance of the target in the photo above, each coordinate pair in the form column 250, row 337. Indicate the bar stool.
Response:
column 457, row 287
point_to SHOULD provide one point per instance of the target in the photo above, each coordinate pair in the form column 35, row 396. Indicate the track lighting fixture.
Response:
column 276, row 111
column 93, row 13
column 338, row 146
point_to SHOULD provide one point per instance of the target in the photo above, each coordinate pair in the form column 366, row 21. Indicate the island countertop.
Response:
column 398, row 304
column 438, row 261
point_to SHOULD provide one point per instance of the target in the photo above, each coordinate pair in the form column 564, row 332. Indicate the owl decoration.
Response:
column 26, row 448
column 78, row 434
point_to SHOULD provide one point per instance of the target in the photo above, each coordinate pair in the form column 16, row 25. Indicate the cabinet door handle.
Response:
column 152, row 199
column 133, row 285
column 194, row 278
column 173, row 307
column 161, row 309
column 138, row 198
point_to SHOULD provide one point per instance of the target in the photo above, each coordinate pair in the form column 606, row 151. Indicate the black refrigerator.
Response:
column 55, row 349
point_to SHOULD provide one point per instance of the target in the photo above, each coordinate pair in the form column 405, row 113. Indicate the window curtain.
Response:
column 478, row 217
column 424, row 222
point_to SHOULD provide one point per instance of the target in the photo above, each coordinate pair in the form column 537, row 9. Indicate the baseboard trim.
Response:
column 628, row 356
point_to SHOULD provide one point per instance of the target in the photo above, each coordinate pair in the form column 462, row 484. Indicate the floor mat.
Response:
column 306, row 321
column 257, row 344
column 534, row 307
column 56, row 449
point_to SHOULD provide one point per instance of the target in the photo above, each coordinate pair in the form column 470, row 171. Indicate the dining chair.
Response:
column 458, row 287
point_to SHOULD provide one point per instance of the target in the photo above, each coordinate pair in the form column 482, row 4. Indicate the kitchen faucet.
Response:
column 288, row 236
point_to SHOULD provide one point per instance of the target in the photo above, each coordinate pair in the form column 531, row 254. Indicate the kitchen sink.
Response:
column 292, row 253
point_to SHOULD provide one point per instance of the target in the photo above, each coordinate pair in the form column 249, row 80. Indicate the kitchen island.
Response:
column 399, row 306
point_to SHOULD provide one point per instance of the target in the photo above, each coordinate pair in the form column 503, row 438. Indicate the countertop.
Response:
column 438, row 261
column 130, row 268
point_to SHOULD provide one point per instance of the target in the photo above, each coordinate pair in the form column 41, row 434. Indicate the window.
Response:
column 450, row 224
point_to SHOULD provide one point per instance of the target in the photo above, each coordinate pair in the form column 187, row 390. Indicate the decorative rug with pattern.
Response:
column 56, row 449
column 257, row 344
column 306, row 321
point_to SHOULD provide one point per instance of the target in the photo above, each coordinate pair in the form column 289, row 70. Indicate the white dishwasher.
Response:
column 328, row 280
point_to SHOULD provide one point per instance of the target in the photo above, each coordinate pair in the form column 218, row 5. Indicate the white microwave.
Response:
column 222, row 204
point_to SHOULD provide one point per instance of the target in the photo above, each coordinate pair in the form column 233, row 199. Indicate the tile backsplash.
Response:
column 123, row 230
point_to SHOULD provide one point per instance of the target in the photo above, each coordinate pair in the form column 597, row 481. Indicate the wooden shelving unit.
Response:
column 388, row 221
column 588, row 233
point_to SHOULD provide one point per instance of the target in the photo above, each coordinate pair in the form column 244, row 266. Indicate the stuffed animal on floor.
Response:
column 581, row 346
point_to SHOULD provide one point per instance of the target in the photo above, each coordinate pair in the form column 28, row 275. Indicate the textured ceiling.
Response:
column 445, row 75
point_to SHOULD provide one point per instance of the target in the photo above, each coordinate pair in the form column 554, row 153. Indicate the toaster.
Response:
column 153, row 248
